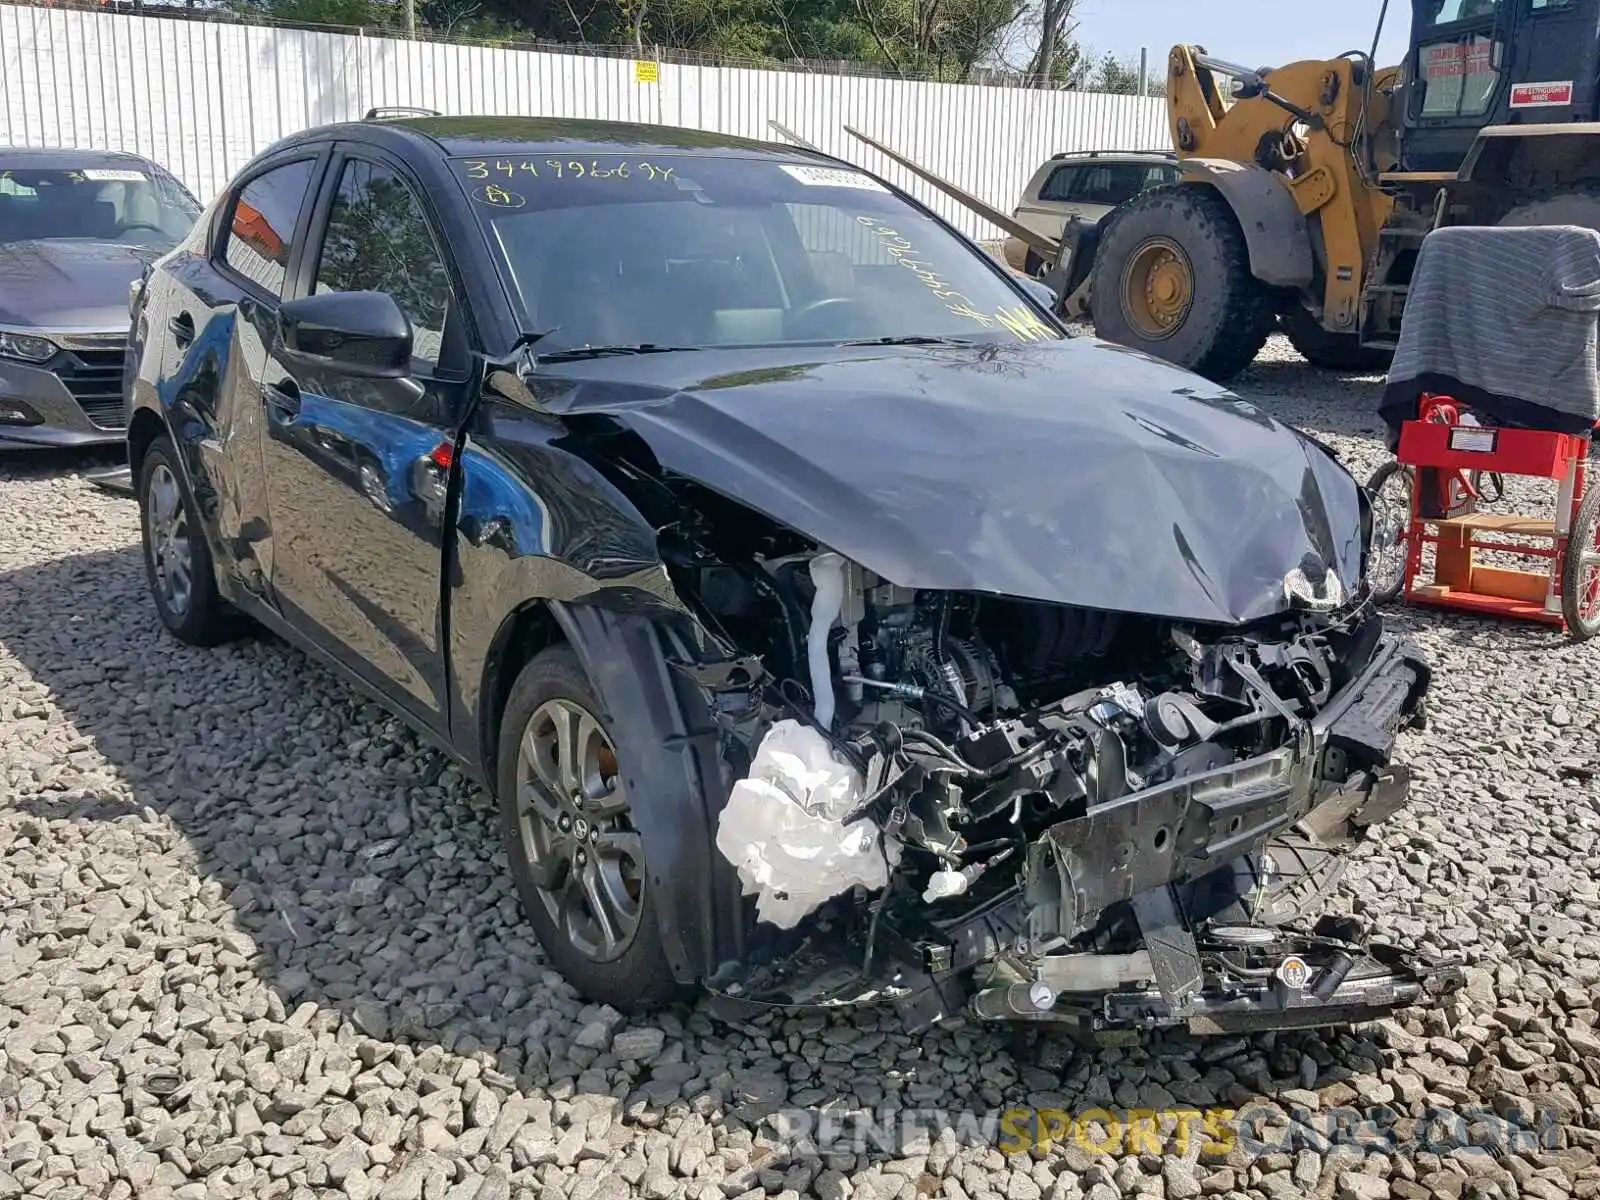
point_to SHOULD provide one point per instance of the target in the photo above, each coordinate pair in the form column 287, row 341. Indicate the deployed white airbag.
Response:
column 782, row 827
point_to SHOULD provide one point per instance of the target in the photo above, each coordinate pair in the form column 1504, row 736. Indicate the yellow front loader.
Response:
column 1275, row 220
column 1307, row 189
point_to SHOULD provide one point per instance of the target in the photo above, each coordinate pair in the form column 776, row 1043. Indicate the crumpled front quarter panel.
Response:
column 536, row 522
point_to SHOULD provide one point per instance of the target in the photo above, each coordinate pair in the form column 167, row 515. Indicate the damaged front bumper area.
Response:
column 1186, row 902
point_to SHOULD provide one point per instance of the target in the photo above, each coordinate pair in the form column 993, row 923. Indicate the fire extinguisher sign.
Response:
column 1541, row 95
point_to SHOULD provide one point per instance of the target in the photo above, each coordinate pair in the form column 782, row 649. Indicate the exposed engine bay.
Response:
column 1031, row 811
column 1037, row 682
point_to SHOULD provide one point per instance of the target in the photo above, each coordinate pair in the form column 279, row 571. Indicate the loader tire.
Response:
column 1172, row 278
column 1569, row 206
column 1332, row 351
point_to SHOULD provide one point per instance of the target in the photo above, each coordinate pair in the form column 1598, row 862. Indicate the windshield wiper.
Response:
column 582, row 352
column 909, row 339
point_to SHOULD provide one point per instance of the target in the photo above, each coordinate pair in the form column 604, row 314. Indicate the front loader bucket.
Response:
column 1068, row 276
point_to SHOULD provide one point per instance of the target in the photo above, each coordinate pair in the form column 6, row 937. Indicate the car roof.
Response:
column 14, row 157
column 487, row 136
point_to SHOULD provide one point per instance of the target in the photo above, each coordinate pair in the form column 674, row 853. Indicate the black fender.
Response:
column 670, row 751
column 1275, row 231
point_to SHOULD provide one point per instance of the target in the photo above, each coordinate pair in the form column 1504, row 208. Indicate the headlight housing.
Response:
column 27, row 347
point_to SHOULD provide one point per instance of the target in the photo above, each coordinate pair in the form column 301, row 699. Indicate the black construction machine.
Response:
column 1307, row 189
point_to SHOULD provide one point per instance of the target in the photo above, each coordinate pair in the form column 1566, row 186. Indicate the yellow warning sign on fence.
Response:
column 646, row 72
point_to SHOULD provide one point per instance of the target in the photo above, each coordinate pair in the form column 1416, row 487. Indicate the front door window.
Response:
column 379, row 240
column 1456, row 59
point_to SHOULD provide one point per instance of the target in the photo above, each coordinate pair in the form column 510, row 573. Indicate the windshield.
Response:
column 699, row 251
column 1447, row 12
column 137, row 205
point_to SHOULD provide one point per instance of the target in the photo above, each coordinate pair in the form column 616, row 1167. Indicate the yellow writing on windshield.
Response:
column 481, row 169
column 1025, row 324
column 899, row 248
column 1021, row 322
column 509, row 168
column 499, row 197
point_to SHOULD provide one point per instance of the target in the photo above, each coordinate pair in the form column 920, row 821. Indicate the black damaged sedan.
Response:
column 831, row 626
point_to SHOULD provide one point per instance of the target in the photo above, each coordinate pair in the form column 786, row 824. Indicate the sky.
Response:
column 1252, row 33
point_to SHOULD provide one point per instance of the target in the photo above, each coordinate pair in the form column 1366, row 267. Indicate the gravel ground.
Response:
column 254, row 940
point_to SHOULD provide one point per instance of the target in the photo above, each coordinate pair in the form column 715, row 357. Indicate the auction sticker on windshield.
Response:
column 112, row 175
column 832, row 177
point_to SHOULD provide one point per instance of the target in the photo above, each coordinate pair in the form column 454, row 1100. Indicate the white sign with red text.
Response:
column 1541, row 95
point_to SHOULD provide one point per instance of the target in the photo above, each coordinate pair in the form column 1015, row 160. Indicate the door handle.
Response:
column 283, row 396
column 182, row 327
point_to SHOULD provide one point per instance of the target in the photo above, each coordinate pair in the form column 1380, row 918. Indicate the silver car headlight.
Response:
column 26, row 346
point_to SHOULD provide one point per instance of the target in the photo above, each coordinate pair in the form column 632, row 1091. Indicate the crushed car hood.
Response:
column 69, row 284
column 1069, row 471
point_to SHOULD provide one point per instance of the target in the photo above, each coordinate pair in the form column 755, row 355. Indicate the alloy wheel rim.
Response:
column 171, row 553
column 576, row 830
column 372, row 486
column 1391, row 517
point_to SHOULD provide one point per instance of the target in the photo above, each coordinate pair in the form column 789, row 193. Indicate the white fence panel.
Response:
column 202, row 98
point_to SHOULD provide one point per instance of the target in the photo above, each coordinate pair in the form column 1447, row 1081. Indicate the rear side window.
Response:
column 1060, row 183
column 260, row 232
column 1111, row 183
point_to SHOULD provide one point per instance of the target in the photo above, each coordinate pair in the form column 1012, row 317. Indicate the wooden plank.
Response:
column 1508, row 523
column 1453, row 566
column 1493, row 606
column 1048, row 248
column 1531, row 587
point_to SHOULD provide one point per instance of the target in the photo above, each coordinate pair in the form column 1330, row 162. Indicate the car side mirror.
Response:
column 358, row 333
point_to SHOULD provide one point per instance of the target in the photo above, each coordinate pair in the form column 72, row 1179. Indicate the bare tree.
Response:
column 1056, row 29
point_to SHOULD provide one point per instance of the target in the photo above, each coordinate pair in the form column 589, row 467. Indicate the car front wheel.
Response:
column 576, row 856
column 177, row 560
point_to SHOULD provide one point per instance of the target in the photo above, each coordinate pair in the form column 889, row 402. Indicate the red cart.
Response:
column 1429, row 494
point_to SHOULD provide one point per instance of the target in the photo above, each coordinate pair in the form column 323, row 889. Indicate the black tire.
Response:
column 1033, row 266
column 1332, row 351
column 1574, row 206
column 636, row 977
column 1384, row 588
column 200, row 616
column 1581, row 626
column 1230, row 312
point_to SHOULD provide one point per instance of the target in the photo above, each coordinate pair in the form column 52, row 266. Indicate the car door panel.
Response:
column 221, row 322
column 190, row 317
column 359, row 533
column 350, row 461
